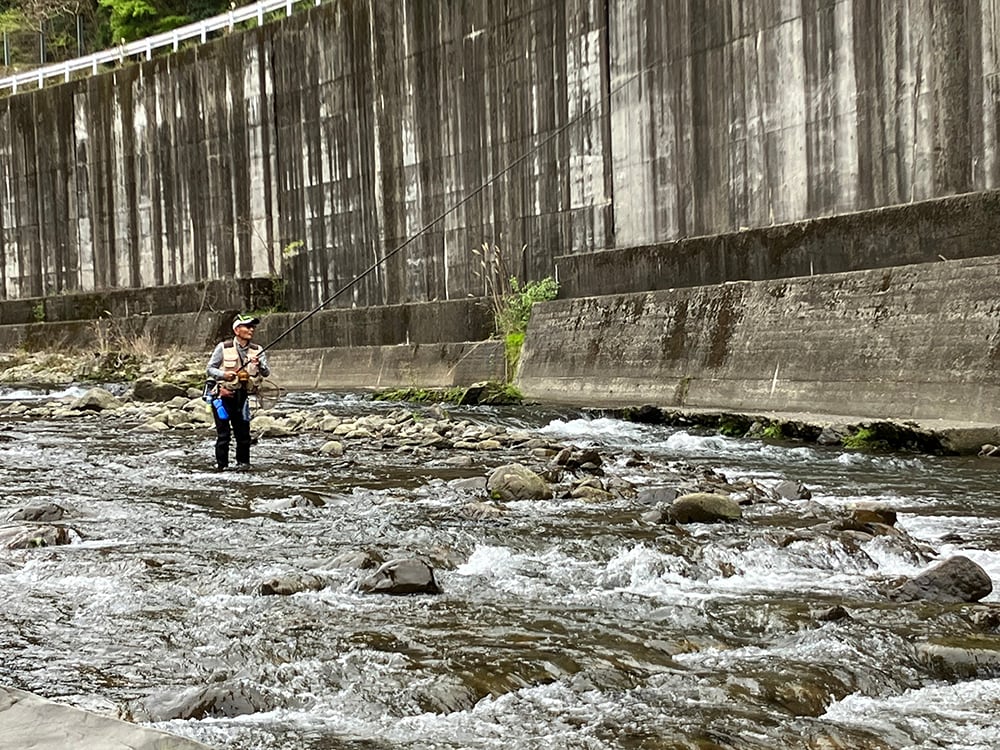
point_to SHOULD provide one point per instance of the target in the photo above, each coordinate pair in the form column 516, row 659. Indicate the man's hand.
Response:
column 230, row 375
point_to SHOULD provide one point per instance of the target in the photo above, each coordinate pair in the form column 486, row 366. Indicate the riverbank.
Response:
column 140, row 378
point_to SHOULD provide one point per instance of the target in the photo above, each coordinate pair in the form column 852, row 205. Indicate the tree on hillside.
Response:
column 135, row 19
column 40, row 31
column 52, row 29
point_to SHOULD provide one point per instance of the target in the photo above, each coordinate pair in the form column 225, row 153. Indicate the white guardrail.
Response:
column 146, row 47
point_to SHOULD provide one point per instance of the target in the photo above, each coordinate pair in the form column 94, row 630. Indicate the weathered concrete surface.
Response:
column 426, row 323
column 313, row 147
column 428, row 345
column 29, row 722
column 963, row 226
column 919, row 341
column 220, row 294
column 441, row 365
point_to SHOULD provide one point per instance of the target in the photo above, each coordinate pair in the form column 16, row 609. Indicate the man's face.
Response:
column 244, row 332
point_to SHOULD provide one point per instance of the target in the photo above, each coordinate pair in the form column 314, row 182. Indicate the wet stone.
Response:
column 45, row 512
column 401, row 577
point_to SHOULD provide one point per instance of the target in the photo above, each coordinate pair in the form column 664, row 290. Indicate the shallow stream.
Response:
column 562, row 623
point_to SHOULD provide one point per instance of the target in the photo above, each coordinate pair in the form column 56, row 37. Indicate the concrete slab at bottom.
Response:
column 30, row 721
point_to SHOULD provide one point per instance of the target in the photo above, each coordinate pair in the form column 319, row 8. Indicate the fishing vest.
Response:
column 231, row 361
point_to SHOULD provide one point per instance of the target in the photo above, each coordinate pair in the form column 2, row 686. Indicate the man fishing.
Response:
column 235, row 370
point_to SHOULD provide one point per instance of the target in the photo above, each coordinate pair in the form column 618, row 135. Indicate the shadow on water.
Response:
column 567, row 623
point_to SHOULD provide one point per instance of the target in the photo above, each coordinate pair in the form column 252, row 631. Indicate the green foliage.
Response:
column 732, row 425
column 38, row 312
column 774, row 431
column 135, row 19
column 514, row 313
column 130, row 19
column 511, row 300
column 421, row 395
column 868, row 439
column 512, row 344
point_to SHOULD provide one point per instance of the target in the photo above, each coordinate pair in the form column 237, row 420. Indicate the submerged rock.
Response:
column 290, row 583
column 210, row 701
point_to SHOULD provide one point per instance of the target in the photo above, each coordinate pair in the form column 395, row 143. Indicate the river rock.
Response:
column 362, row 559
column 290, row 583
column 512, row 482
column 704, row 507
column 957, row 579
column 222, row 700
column 332, row 448
column 479, row 511
column 656, row 496
column 27, row 536
column 400, row 577
column 790, row 490
column 44, row 512
column 868, row 513
column 96, row 399
column 147, row 389
column 587, row 460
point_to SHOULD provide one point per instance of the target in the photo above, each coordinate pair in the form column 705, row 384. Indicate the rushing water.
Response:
column 564, row 623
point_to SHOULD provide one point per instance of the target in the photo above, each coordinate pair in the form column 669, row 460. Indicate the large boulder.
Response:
column 517, row 482
column 957, row 579
column 704, row 507
column 96, row 399
column 400, row 577
column 146, row 389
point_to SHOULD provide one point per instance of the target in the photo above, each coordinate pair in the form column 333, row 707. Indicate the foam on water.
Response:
column 34, row 394
column 965, row 713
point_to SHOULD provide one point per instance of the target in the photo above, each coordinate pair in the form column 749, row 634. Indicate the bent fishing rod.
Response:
column 423, row 230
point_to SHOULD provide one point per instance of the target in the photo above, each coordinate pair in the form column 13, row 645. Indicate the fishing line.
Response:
column 423, row 230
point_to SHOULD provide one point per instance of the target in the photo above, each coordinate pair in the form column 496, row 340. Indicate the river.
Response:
column 561, row 624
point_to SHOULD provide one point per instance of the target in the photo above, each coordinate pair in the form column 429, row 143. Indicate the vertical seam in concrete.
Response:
column 609, row 165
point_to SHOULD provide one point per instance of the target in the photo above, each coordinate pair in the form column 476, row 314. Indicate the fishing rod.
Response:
column 423, row 230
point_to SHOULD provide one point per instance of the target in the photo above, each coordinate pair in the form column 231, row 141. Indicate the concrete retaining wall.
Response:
column 359, row 368
column 919, row 341
column 964, row 226
column 426, row 323
column 312, row 147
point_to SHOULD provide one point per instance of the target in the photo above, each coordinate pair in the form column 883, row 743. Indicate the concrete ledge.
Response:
column 420, row 323
column 30, row 721
column 957, row 227
column 910, row 342
column 218, row 294
column 442, row 365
